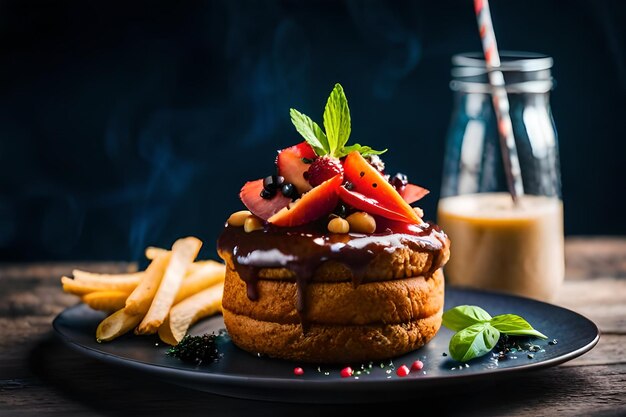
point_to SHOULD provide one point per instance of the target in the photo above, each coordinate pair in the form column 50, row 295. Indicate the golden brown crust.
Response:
column 330, row 343
column 383, row 302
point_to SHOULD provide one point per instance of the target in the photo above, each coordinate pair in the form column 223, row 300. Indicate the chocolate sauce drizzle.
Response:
column 302, row 250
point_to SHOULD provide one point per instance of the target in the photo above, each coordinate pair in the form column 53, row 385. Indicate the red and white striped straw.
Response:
column 500, row 99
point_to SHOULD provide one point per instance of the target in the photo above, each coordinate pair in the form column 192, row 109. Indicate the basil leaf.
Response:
column 473, row 341
column 464, row 316
column 310, row 131
column 363, row 150
column 337, row 120
column 515, row 325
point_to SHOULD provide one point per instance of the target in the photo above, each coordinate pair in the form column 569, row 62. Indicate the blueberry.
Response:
column 341, row 210
column 267, row 194
column 272, row 182
column 289, row 190
column 399, row 180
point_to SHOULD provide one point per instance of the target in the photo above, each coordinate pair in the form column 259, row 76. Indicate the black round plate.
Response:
column 240, row 374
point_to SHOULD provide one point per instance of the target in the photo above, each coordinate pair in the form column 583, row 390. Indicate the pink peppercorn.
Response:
column 298, row 371
column 403, row 371
column 417, row 365
column 346, row 372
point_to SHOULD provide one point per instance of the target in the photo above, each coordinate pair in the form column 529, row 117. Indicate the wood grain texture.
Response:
column 41, row 376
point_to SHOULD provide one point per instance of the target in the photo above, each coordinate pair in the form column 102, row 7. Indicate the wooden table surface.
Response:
column 39, row 375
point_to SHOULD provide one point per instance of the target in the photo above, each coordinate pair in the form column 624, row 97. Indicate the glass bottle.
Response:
column 497, row 243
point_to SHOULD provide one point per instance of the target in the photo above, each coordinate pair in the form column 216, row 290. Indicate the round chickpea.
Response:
column 238, row 218
column 338, row 225
column 252, row 223
column 361, row 222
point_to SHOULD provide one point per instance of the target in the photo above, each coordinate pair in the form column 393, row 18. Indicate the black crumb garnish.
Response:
column 196, row 349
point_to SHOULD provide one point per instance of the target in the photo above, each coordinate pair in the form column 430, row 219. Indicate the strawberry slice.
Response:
column 250, row 195
column 412, row 193
column 369, row 182
column 291, row 166
column 367, row 204
column 311, row 206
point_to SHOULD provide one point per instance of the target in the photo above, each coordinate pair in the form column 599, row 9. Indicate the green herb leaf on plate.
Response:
column 477, row 332
column 460, row 317
column 515, row 325
column 473, row 341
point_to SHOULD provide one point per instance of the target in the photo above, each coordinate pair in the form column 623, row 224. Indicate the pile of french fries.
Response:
column 168, row 297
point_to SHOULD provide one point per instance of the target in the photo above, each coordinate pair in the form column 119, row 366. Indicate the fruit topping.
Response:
column 313, row 204
column 322, row 169
column 399, row 181
column 341, row 210
column 367, row 204
column 338, row 127
column 293, row 162
column 368, row 181
column 273, row 183
column 324, row 176
column 289, row 190
column 261, row 207
column 411, row 193
column 384, row 225
column 267, row 195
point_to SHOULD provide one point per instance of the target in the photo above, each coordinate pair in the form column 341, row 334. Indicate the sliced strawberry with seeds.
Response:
column 317, row 202
column 250, row 195
column 368, row 181
column 292, row 167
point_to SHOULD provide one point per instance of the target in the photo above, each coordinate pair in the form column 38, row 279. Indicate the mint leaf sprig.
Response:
column 477, row 333
column 338, row 127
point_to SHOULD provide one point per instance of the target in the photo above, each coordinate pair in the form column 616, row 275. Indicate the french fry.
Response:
column 207, row 274
column 138, row 302
column 152, row 252
column 105, row 300
column 184, row 314
column 76, row 287
column 116, row 325
column 105, row 279
column 199, row 265
column 183, row 253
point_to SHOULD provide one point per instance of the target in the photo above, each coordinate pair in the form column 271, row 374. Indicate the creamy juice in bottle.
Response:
column 496, row 245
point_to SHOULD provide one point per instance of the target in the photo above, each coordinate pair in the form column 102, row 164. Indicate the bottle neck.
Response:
column 523, row 73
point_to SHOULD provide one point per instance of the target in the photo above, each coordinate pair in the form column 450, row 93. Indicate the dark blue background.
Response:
column 130, row 124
